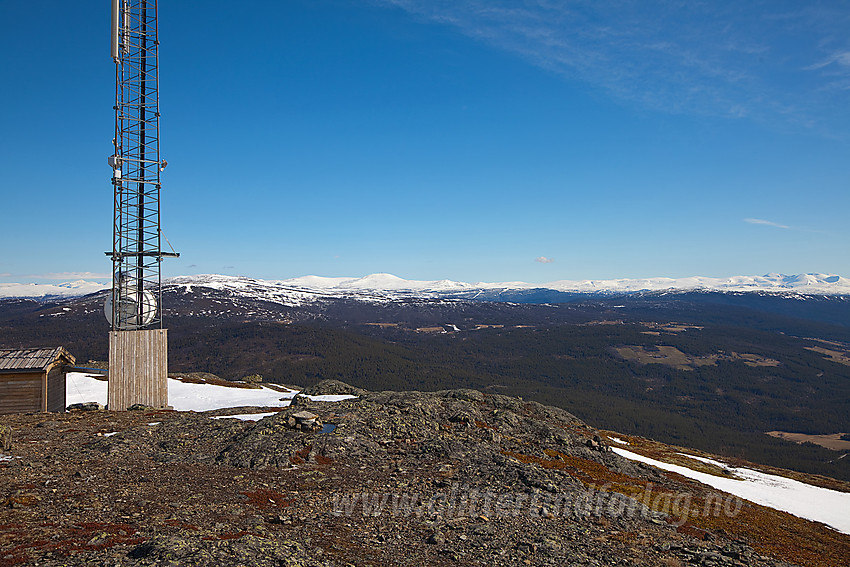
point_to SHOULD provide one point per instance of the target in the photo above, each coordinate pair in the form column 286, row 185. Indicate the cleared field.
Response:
column 754, row 359
column 671, row 356
column 670, row 327
column 832, row 441
column 841, row 357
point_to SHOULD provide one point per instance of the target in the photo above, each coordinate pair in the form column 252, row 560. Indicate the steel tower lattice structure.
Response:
column 136, row 163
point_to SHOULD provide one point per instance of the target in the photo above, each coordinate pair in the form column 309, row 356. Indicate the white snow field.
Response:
column 804, row 500
column 184, row 396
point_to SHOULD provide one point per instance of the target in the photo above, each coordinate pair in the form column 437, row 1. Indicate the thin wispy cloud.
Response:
column 841, row 61
column 836, row 69
column 544, row 260
column 767, row 223
column 770, row 61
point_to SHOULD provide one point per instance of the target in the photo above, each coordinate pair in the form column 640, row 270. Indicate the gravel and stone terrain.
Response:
column 387, row 478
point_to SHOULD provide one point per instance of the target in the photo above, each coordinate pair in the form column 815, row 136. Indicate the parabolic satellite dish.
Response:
column 128, row 307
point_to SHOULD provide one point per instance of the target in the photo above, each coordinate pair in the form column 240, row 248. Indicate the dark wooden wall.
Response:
column 56, row 390
column 22, row 392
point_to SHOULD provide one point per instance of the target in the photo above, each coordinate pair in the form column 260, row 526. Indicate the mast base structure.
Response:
column 138, row 343
column 138, row 369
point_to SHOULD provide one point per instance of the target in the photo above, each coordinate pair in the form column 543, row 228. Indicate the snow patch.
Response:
column 803, row 500
column 185, row 396
column 182, row 396
column 246, row 416
column 705, row 460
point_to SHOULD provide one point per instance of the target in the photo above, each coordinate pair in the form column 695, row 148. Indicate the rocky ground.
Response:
column 390, row 478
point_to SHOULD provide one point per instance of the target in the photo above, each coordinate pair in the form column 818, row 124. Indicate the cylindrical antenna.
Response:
column 115, row 19
column 125, row 43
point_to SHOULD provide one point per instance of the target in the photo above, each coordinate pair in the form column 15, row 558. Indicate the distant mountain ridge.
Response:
column 382, row 287
column 807, row 283
column 50, row 291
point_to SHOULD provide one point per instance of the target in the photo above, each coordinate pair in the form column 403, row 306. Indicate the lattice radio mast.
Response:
column 138, row 365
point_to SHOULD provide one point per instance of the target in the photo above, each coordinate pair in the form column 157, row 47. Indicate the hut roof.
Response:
column 32, row 358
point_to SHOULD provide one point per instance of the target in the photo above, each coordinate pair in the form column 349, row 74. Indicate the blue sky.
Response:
column 464, row 139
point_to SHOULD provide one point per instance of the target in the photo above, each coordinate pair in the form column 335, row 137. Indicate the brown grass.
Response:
column 264, row 498
column 76, row 538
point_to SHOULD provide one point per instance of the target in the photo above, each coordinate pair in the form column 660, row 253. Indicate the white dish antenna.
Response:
column 128, row 307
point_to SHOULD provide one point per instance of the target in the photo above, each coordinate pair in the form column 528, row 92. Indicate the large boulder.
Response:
column 332, row 387
column 85, row 406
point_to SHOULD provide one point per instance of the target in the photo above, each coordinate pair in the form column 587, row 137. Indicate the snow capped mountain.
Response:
column 306, row 290
column 802, row 283
column 818, row 284
column 377, row 282
column 387, row 287
column 67, row 289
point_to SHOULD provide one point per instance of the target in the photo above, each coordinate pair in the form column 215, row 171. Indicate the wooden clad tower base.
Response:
column 138, row 369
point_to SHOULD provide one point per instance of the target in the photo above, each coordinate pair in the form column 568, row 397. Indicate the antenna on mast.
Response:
column 116, row 16
column 138, row 359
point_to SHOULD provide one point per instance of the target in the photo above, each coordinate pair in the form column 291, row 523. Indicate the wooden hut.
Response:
column 33, row 379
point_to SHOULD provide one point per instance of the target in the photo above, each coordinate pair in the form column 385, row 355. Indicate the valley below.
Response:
column 712, row 371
